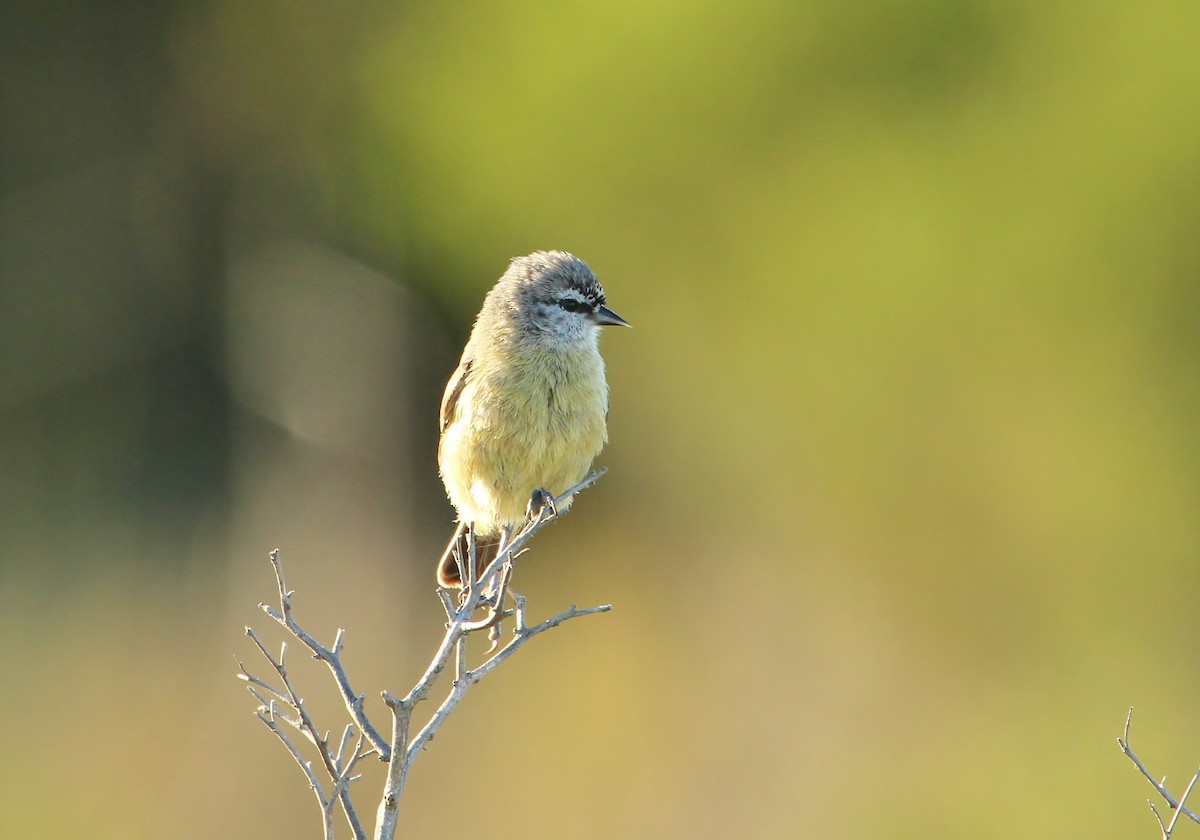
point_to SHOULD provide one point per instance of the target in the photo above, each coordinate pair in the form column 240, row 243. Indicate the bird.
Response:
column 526, row 411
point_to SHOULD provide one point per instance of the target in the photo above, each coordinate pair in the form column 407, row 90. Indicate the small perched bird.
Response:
column 526, row 411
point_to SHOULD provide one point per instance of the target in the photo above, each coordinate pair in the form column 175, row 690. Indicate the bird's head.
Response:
column 557, row 299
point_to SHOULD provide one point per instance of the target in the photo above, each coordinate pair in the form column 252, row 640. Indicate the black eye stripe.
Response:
column 573, row 305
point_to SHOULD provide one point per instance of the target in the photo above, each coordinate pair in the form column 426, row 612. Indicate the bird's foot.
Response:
column 539, row 501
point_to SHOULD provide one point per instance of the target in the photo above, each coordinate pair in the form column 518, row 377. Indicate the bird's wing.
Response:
column 454, row 389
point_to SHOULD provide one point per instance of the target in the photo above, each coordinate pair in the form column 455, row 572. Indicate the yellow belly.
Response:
column 535, row 424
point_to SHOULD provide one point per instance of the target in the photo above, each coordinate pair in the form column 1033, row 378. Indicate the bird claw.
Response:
column 539, row 501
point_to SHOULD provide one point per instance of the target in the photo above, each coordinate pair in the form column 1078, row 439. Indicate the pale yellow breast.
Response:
column 525, row 423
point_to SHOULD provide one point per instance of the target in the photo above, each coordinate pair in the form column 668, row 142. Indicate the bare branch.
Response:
column 487, row 591
column 347, row 734
column 303, row 722
column 388, row 813
column 472, row 677
column 332, row 658
column 254, row 681
column 1176, row 805
column 1161, row 825
column 268, row 716
column 1179, row 810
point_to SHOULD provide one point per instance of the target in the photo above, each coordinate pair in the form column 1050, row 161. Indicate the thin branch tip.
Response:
column 1160, row 785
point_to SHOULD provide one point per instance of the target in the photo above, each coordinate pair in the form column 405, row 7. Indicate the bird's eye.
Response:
column 573, row 305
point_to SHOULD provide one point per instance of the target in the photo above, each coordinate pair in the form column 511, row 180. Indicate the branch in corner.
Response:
column 1176, row 805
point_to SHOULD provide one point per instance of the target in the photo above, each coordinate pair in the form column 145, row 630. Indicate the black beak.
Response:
column 605, row 317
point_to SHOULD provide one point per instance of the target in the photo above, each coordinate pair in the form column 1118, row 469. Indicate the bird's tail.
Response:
column 449, row 574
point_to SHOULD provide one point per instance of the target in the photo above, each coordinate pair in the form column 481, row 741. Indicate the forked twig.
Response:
column 336, row 766
column 405, row 746
column 1176, row 805
column 330, row 656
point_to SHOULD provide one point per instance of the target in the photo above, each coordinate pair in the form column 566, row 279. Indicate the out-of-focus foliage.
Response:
column 903, row 505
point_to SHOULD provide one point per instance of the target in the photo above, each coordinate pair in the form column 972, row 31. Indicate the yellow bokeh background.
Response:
column 901, row 515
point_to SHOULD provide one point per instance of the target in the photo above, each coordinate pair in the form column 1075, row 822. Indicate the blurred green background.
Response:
column 902, row 511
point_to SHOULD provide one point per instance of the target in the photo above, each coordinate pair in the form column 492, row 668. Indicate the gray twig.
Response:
column 270, row 717
column 337, row 766
column 1176, row 805
column 1179, row 810
column 330, row 656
